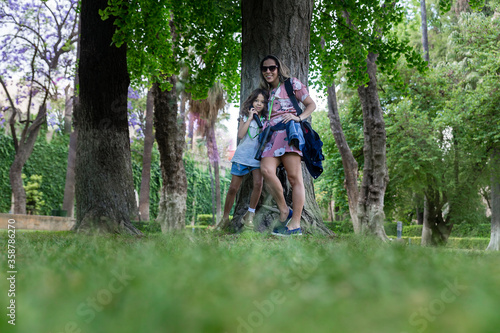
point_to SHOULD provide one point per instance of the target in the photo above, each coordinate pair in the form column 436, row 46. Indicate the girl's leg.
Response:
column 268, row 167
column 257, row 188
column 231, row 194
column 293, row 167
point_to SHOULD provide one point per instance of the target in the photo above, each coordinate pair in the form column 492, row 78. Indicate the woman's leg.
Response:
column 234, row 186
column 257, row 188
column 268, row 167
column 293, row 167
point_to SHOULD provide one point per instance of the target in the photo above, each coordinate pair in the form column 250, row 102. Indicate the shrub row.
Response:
column 206, row 219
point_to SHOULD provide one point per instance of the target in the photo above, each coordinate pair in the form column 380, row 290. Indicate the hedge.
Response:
column 207, row 219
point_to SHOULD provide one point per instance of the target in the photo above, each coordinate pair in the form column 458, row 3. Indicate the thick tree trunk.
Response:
column 146, row 159
column 436, row 229
column 371, row 214
column 23, row 152
column 170, row 129
column 287, row 35
column 105, row 200
column 494, row 244
column 348, row 161
column 425, row 40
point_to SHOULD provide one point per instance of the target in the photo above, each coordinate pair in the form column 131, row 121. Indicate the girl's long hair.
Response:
column 249, row 102
column 283, row 71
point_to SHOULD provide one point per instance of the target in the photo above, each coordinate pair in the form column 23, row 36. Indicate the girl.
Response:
column 277, row 151
column 243, row 161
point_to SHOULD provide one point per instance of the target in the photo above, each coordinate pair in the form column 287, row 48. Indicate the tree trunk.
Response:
column 170, row 129
column 105, row 200
column 494, row 244
column 440, row 228
column 426, row 229
column 425, row 40
column 287, row 35
column 348, row 161
column 23, row 152
column 371, row 214
column 213, row 156
column 146, row 160
column 69, row 186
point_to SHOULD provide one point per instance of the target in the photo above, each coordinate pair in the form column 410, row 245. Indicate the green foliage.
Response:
column 48, row 160
column 341, row 227
column 34, row 197
column 471, row 230
column 202, row 36
column 391, row 228
column 343, row 33
column 206, row 219
column 412, row 230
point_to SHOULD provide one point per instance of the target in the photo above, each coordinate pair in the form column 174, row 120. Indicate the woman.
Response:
column 277, row 150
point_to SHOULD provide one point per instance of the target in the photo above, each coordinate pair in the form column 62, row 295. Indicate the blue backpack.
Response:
column 312, row 153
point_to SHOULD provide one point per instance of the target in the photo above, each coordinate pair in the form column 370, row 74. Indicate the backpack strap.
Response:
column 291, row 95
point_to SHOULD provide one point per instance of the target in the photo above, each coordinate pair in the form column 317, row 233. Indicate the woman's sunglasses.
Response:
column 265, row 68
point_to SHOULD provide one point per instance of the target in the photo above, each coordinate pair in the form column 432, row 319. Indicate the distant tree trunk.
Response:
column 439, row 227
column 348, row 161
column 213, row 156
column 287, row 35
column 425, row 40
column 212, row 191
column 69, row 127
column 105, row 200
column 24, row 149
column 371, row 214
column 170, row 130
column 426, row 229
column 146, row 159
column 494, row 244
column 69, row 185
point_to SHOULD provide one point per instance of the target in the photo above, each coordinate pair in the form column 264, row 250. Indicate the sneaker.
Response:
column 282, row 225
column 247, row 221
column 288, row 232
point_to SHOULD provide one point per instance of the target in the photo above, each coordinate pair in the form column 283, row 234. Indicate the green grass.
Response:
column 208, row 282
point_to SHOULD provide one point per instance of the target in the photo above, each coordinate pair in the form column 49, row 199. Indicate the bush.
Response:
column 412, row 230
column 391, row 228
column 471, row 230
column 147, row 226
column 341, row 227
column 206, row 219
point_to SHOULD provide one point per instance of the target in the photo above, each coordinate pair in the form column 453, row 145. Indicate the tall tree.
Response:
column 146, row 159
column 360, row 35
column 425, row 39
column 287, row 35
column 104, row 185
column 37, row 46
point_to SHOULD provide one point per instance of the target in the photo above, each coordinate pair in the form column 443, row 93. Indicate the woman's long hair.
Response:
column 249, row 102
column 283, row 71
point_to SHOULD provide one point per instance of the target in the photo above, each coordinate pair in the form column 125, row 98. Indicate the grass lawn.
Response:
column 208, row 282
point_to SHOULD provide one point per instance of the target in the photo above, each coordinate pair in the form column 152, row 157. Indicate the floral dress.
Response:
column 278, row 144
